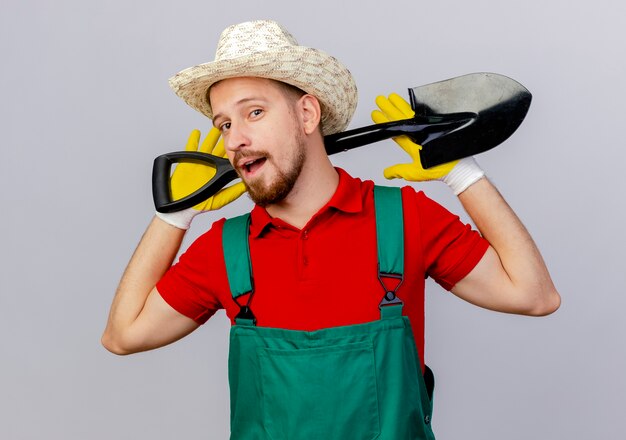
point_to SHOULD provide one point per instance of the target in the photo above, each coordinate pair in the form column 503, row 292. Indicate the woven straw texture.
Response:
column 265, row 49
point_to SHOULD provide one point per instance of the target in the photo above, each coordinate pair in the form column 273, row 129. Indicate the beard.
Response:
column 264, row 195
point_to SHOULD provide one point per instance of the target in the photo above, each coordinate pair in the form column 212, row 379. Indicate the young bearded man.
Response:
column 320, row 345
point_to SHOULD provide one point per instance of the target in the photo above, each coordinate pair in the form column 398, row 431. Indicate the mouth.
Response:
column 249, row 167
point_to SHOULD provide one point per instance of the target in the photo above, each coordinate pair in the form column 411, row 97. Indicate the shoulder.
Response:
column 208, row 240
column 421, row 205
column 411, row 195
column 214, row 232
column 412, row 199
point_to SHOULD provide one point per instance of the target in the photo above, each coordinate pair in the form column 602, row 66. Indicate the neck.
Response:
column 315, row 186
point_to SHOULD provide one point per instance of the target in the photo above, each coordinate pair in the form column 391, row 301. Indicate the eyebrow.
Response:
column 238, row 103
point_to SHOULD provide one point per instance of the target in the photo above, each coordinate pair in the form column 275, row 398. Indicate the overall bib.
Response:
column 355, row 382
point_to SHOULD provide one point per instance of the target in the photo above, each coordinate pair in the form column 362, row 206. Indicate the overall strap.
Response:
column 236, row 250
column 390, row 244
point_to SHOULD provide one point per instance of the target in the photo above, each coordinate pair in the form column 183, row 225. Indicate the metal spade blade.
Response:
column 499, row 103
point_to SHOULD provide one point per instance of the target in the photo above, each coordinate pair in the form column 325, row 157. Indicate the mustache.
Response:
column 240, row 154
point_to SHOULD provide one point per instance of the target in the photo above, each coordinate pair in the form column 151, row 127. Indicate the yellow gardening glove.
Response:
column 188, row 177
column 396, row 108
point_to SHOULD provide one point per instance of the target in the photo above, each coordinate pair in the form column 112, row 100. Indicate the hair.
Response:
column 290, row 92
column 293, row 93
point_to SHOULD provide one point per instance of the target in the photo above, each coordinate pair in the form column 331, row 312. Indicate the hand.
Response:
column 458, row 174
column 395, row 108
column 188, row 177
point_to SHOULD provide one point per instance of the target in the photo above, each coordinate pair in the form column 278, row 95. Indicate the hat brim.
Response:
column 311, row 70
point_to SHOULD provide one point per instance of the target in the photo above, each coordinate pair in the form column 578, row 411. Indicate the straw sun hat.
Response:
column 265, row 49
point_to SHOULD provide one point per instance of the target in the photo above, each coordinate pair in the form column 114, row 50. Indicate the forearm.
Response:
column 153, row 256
column 525, row 275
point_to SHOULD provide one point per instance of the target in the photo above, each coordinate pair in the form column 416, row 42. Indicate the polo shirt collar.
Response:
column 347, row 198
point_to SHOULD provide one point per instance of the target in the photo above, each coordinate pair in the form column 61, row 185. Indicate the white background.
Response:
column 85, row 107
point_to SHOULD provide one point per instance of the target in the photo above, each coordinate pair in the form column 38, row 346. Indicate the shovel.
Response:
column 454, row 118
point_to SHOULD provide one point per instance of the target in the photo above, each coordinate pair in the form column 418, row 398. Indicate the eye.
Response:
column 224, row 127
column 256, row 112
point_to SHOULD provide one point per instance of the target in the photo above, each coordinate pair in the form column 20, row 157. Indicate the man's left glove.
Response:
column 458, row 175
column 188, row 177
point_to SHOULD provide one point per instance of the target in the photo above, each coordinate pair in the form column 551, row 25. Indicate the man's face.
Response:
column 263, row 137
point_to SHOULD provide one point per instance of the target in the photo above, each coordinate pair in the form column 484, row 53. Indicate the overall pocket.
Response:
column 320, row 393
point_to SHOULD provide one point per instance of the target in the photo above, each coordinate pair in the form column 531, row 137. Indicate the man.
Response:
column 320, row 345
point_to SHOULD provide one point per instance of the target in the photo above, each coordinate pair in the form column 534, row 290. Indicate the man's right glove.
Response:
column 188, row 177
column 458, row 175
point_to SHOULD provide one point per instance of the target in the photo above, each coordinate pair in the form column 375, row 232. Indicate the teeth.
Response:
column 248, row 164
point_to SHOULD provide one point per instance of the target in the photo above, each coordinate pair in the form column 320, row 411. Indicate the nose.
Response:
column 236, row 138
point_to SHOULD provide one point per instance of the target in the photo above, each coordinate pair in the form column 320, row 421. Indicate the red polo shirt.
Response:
column 325, row 274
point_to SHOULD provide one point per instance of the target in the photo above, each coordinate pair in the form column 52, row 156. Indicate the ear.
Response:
column 311, row 113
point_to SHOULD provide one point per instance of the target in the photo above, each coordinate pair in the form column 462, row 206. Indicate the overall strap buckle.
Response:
column 391, row 305
column 245, row 316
